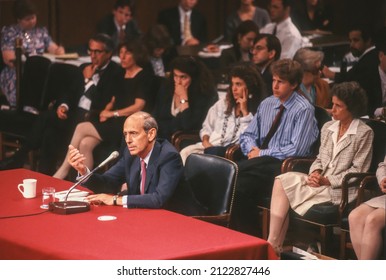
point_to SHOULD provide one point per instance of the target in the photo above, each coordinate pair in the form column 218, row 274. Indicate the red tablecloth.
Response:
column 135, row 234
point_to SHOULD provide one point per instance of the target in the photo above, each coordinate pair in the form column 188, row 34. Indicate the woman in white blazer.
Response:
column 346, row 146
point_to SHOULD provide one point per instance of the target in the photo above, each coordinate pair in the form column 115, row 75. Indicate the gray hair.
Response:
column 149, row 121
column 310, row 60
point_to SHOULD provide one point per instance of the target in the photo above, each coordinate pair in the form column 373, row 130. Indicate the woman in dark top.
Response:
column 242, row 42
column 135, row 91
column 183, row 102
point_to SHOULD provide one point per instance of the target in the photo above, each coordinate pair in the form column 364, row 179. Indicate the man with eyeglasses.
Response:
column 52, row 129
column 266, row 49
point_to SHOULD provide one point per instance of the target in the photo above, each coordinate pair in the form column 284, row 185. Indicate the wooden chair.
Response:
column 30, row 86
column 212, row 180
column 302, row 164
column 180, row 139
column 368, row 188
column 327, row 216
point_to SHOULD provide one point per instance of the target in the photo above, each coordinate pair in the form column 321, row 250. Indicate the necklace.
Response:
column 224, row 129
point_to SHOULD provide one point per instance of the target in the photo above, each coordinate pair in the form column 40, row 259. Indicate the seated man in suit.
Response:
column 120, row 24
column 186, row 25
column 52, row 130
column 266, row 49
column 365, row 71
column 151, row 168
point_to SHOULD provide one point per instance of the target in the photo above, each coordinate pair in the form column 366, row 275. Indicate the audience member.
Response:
column 380, row 83
column 151, row 167
column 312, row 15
column 313, row 86
column 186, row 25
column 229, row 117
column 120, row 25
column 158, row 43
column 246, row 11
column 292, row 116
column 108, row 128
column 242, row 43
column 368, row 221
column 266, row 49
column 36, row 40
column 345, row 147
column 365, row 71
column 283, row 28
column 53, row 129
column 183, row 103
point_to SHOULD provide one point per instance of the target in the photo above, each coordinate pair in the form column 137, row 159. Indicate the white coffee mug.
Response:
column 29, row 188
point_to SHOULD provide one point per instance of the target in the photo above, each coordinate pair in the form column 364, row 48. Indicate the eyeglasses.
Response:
column 90, row 51
column 258, row 48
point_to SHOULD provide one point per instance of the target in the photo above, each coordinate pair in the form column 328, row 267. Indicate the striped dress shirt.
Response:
column 295, row 135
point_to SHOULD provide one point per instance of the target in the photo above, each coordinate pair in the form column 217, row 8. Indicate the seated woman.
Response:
column 313, row 86
column 35, row 41
column 242, row 42
column 368, row 220
column 158, row 43
column 183, row 102
column 134, row 94
column 346, row 146
column 246, row 11
column 230, row 116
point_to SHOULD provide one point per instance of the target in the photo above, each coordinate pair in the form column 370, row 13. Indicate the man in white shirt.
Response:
column 283, row 28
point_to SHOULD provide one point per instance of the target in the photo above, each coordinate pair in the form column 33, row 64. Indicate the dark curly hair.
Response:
column 351, row 94
column 254, row 82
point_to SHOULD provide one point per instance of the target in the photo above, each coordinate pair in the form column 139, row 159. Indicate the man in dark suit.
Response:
column 52, row 129
column 120, row 25
column 186, row 25
column 266, row 49
column 151, row 183
column 365, row 71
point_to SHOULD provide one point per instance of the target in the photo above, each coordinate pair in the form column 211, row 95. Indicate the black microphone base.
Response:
column 69, row 207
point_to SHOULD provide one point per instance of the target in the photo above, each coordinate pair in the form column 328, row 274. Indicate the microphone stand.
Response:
column 72, row 207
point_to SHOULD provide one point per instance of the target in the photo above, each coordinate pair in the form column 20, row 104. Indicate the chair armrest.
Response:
column 301, row 164
column 369, row 183
column 180, row 137
column 350, row 179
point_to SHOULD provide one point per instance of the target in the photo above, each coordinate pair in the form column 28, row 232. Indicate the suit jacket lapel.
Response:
column 135, row 180
column 152, row 166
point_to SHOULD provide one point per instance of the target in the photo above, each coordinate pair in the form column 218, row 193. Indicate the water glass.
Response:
column 48, row 196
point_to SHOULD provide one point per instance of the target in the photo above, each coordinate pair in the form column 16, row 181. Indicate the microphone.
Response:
column 72, row 207
column 112, row 156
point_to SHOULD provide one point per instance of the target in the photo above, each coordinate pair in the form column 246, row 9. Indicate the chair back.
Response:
column 212, row 180
column 322, row 116
column 33, row 81
column 379, row 142
column 63, row 80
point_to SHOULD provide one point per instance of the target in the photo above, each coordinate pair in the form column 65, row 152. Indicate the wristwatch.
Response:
column 115, row 197
column 182, row 101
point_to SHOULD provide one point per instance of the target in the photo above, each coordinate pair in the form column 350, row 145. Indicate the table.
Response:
column 139, row 234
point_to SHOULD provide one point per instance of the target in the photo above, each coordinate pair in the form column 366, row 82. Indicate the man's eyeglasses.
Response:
column 90, row 51
column 258, row 48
